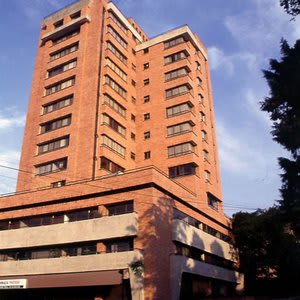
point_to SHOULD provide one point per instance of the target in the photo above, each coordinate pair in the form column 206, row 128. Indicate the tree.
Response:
column 292, row 7
column 269, row 255
column 283, row 104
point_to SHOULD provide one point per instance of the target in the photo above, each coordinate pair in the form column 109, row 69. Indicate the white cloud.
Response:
column 260, row 29
column 10, row 121
column 35, row 9
column 9, row 157
column 218, row 59
column 242, row 155
column 228, row 62
column 8, row 177
column 252, row 105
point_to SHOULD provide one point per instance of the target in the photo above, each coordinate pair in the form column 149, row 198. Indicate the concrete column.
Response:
column 137, row 286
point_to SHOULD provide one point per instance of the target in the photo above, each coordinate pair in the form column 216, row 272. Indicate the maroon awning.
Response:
column 71, row 279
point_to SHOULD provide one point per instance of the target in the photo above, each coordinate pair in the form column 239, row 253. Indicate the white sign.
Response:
column 13, row 284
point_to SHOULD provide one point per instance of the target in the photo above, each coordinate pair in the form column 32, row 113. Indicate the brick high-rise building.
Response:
column 119, row 193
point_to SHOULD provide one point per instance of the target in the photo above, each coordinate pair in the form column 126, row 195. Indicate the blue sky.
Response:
column 241, row 37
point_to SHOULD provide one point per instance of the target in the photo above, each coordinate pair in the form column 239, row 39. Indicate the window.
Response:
column 116, row 69
column 202, row 116
column 63, row 52
column 147, row 135
column 146, row 99
column 50, row 219
column 134, row 38
column 75, row 15
column 176, row 73
column 51, row 167
column 132, row 117
column 115, row 86
column 174, row 42
column 132, row 155
column 147, row 155
column 207, row 175
column 118, row 22
column 182, row 170
column 58, row 104
column 133, row 67
column 113, row 145
column 146, row 66
column 204, row 135
column 179, row 109
column 133, row 83
column 200, row 98
column 175, row 57
column 205, row 155
column 62, row 68
column 117, row 53
column 133, row 100
column 66, row 36
column 53, row 145
column 59, row 86
column 198, row 66
column 212, row 201
column 114, row 105
column 132, row 135
column 146, row 50
column 120, row 208
column 133, row 51
column 180, row 149
column 119, row 245
column 179, row 128
column 56, row 124
column 177, row 91
column 146, row 116
column 146, row 81
column 121, row 41
column 109, row 165
column 199, row 81
column 113, row 124
column 59, row 23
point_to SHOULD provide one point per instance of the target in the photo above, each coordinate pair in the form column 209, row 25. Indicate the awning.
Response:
column 71, row 279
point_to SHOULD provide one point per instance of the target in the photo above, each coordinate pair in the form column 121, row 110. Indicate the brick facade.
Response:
column 116, row 118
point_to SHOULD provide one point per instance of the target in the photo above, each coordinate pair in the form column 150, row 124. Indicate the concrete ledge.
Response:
column 70, row 264
column 192, row 236
column 65, row 29
column 181, row 264
column 79, row 231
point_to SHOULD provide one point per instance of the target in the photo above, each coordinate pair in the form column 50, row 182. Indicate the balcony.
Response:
column 65, row 29
column 195, row 237
column 80, row 231
column 70, row 264
column 182, row 264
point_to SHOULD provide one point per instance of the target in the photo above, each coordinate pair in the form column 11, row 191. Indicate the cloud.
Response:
column 260, row 28
column 11, row 121
column 9, row 158
column 218, row 59
column 252, row 105
column 8, row 177
column 244, row 155
column 36, row 9
column 227, row 62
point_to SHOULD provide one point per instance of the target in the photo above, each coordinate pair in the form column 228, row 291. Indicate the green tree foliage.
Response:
column 283, row 104
column 269, row 255
column 292, row 7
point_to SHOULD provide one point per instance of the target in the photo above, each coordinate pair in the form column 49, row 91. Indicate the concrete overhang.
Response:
column 184, row 31
column 65, row 29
